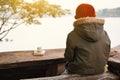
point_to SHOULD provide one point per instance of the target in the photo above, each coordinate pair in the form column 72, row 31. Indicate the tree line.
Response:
column 114, row 12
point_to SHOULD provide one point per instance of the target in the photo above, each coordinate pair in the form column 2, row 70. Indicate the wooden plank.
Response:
column 26, row 56
column 104, row 76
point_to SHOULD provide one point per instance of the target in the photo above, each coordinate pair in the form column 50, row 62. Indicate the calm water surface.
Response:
column 52, row 33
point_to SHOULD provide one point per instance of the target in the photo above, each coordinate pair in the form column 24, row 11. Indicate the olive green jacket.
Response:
column 87, row 47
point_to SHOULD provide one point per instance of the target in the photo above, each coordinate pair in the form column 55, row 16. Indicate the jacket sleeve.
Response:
column 108, row 44
column 69, row 51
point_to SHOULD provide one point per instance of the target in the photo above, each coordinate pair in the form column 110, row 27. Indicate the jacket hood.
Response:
column 89, row 28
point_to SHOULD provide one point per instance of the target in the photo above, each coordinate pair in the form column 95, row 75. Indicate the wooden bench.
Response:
column 105, row 76
column 23, row 64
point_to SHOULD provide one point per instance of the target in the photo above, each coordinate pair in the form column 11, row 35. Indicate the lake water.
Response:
column 52, row 33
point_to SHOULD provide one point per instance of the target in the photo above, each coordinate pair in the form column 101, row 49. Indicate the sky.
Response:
column 98, row 4
column 72, row 4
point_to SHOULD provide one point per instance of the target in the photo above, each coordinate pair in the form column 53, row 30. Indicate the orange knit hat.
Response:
column 85, row 10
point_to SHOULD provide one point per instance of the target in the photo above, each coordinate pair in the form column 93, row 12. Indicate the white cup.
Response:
column 39, row 49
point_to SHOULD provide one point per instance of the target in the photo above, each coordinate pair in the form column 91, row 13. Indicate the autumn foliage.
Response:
column 13, row 13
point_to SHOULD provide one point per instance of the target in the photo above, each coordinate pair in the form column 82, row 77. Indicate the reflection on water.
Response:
column 51, row 34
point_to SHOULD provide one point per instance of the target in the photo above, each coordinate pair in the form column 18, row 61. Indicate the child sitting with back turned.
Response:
column 88, row 45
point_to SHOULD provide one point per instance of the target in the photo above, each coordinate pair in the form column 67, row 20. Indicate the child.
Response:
column 88, row 45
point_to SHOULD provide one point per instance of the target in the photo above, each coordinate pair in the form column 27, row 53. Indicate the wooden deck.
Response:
column 24, row 65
